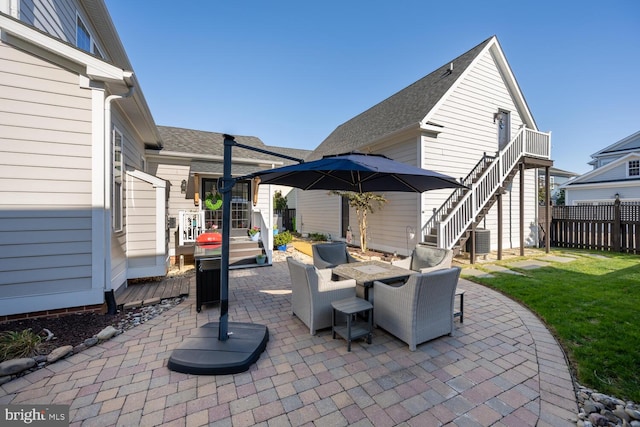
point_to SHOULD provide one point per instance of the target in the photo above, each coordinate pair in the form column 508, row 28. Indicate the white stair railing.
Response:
column 527, row 142
column 191, row 225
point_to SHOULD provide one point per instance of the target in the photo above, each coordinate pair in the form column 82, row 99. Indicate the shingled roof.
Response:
column 405, row 108
column 202, row 145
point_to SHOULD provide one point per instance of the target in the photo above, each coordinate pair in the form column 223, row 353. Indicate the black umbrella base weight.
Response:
column 203, row 354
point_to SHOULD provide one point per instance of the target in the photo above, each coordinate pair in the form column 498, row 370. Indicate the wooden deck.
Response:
column 152, row 292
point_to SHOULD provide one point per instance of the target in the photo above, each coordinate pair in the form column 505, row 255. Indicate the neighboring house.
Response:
column 557, row 178
column 74, row 126
column 191, row 161
column 467, row 119
column 615, row 174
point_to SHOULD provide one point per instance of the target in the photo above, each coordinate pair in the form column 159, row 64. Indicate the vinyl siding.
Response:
column 131, row 159
column 174, row 171
column 45, row 186
column 469, row 132
column 614, row 174
column 318, row 212
column 388, row 225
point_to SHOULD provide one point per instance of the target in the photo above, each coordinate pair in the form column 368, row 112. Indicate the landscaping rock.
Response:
column 598, row 420
column 59, row 353
column 14, row 366
column 106, row 333
column 90, row 342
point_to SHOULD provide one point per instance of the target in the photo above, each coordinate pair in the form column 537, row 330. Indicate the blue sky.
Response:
column 290, row 72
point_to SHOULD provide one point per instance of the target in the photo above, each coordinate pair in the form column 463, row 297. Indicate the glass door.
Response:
column 212, row 205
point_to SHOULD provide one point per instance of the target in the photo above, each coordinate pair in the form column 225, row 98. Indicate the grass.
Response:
column 591, row 305
column 14, row 345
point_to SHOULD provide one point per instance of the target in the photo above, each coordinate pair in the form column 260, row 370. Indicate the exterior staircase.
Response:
column 451, row 225
column 243, row 251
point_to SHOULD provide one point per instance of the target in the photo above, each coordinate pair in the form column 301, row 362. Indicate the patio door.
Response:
column 212, row 205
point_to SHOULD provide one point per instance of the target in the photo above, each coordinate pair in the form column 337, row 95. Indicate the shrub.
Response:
column 14, row 345
column 317, row 237
column 282, row 238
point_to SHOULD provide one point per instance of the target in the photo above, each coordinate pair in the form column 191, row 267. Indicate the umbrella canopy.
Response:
column 357, row 172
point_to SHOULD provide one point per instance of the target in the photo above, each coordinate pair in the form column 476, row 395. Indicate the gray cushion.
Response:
column 424, row 257
column 334, row 254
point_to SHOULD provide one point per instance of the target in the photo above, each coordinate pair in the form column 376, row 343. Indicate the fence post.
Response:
column 616, row 226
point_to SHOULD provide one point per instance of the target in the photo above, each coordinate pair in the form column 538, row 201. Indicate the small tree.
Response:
column 279, row 201
column 363, row 203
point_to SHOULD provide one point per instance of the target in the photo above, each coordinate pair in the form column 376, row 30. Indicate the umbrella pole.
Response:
column 227, row 185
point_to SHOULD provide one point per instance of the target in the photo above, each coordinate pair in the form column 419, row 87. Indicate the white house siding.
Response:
column 598, row 194
column 388, row 226
column 614, row 174
column 469, row 132
column 146, row 235
column 318, row 212
column 174, row 171
column 132, row 155
column 45, row 187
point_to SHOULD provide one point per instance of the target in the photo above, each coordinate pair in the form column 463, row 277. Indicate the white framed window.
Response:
column 84, row 40
column 633, row 168
column 118, row 194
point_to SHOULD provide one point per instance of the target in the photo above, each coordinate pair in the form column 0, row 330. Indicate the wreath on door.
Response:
column 213, row 201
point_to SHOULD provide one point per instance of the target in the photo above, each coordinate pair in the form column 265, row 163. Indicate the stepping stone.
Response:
column 501, row 269
column 530, row 264
column 556, row 258
column 475, row 273
column 598, row 256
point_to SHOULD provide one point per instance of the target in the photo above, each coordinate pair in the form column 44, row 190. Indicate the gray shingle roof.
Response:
column 405, row 108
column 202, row 143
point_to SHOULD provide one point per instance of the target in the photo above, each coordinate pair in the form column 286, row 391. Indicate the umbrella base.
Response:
column 203, row 354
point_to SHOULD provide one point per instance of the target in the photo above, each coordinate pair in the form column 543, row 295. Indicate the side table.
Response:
column 460, row 312
column 354, row 328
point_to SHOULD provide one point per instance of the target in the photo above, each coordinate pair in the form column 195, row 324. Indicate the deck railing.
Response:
column 527, row 142
column 191, row 225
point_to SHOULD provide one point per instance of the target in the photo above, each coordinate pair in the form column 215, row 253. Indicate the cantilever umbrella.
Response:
column 359, row 173
column 235, row 351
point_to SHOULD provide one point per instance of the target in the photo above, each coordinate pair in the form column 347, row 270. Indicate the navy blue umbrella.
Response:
column 359, row 173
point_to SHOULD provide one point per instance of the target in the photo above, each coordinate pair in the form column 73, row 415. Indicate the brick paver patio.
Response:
column 501, row 368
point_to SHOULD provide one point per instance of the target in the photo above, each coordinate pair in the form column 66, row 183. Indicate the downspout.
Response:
column 108, row 291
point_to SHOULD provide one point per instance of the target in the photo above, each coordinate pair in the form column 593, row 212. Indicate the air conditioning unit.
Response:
column 483, row 242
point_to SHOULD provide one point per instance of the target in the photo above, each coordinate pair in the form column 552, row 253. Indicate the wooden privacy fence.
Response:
column 288, row 217
column 614, row 227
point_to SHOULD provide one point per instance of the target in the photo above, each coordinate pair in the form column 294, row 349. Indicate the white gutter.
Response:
column 107, row 180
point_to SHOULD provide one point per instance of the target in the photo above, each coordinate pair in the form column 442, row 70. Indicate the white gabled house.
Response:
column 615, row 175
column 467, row 119
column 78, row 213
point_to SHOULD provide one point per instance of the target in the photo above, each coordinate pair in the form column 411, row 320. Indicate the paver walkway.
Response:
column 502, row 367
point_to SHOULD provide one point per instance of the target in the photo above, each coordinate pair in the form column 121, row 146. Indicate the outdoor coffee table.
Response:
column 367, row 272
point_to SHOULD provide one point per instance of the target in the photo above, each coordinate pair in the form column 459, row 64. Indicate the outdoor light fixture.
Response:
column 183, row 186
column 617, row 196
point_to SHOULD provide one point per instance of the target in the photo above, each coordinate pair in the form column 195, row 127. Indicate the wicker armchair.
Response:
column 425, row 259
column 421, row 309
column 312, row 294
column 328, row 255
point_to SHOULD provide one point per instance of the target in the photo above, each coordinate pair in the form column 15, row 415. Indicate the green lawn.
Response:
column 592, row 306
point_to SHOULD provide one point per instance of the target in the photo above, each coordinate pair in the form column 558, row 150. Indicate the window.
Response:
column 117, row 210
column 83, row 38
column 634, row 168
